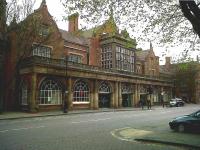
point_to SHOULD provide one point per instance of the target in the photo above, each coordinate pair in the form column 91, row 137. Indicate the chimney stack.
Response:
column 73, row 22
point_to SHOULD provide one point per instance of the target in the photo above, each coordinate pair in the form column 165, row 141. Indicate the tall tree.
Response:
column 162, row 22
column 11, row 13
column 23, row 28
column 3, row 44
column 185, row 79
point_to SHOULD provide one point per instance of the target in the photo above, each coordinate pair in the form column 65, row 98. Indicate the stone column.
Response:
column 69, row 94
column 116, row 97
column 32, row 100
column 95, row 95
column 120, row 94
column 112, row 97
column 133, row 96
column 137, row 94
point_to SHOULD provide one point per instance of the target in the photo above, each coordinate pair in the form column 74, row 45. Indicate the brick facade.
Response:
column 101, row 69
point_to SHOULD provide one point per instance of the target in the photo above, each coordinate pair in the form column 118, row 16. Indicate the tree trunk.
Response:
column 192, row 12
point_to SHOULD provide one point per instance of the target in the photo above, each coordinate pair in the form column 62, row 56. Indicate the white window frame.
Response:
column 49, row 91
column 81, row 93
column 41, row 50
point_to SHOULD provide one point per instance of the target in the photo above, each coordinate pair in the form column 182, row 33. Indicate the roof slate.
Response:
column 67, row 36
column 141, row 55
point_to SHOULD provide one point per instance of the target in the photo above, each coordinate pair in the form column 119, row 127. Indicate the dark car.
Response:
column 186, row 123
column 176, row 102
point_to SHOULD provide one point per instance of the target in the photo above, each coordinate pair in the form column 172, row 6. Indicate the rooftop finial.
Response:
column 43, row 3
column 111, row 11
column 151, row 47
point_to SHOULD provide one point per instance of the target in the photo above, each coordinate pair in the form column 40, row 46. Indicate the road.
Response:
column 94, row 131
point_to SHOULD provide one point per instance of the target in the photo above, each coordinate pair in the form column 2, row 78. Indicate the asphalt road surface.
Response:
column 94, row 131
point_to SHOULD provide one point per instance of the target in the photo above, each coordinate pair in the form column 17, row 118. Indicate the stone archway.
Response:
column 126, row 95
column 105, row 95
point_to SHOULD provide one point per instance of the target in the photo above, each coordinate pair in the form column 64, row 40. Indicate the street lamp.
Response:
column 174, row 88
column 66, row 92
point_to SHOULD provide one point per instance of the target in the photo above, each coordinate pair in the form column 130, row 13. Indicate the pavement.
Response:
column 169, row 138
column 19, row 115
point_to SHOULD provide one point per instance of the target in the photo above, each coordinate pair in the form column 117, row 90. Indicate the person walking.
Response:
column 162, row 99
column 142, row 103
column 149, row 101
column 149, row 95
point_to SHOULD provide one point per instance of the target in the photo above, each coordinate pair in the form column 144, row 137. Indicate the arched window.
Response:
column 24, row 94
column 143, row 89
column 50, row 93
column 126, row 89
column 104, row 88
column 81, row 92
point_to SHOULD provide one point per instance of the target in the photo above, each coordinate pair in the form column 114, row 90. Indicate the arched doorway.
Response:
column 104, row 95
column 50, row 93
column 143, row 93
column 126, row 95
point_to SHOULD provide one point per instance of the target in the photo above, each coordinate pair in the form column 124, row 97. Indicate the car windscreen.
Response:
column 193, row 114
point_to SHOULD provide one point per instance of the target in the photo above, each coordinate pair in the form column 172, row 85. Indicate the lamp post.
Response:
column 65, row 105
column 174, row 88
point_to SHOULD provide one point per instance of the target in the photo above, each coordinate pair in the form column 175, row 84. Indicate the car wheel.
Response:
column 178, row 105
column 181, row 128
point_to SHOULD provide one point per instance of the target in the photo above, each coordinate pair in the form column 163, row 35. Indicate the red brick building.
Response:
column 100, row 67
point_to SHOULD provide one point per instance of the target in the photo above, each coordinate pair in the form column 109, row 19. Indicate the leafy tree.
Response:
column 165, row 22
column 11, row 13
column 22, row 29
column 185, row 79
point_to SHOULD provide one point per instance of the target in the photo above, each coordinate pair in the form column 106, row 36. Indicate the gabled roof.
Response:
column 142, row 54
column 67, row 36
column 109, row 26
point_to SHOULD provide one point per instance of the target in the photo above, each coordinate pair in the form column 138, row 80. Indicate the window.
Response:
column 106, row 57
column 40, row 50
column 104, row 88
column 126, row 88
column 81, row 92
column 24, row 94
column 139, row 69
column 75, row 58
column 44, row 30
column 50, row 93
column 124, row 59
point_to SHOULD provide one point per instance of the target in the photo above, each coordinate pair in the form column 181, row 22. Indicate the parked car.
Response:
column 184, row 123
column 176, row 102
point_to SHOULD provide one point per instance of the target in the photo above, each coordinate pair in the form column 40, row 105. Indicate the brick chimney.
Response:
column 73, row 22
column 167, row 63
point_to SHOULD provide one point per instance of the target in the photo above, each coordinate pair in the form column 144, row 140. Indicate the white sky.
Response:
column 57, row 11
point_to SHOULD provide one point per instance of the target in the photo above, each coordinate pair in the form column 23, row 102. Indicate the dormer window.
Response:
column 41, row 50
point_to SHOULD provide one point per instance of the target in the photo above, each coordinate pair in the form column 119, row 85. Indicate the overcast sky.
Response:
column 57, row 11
